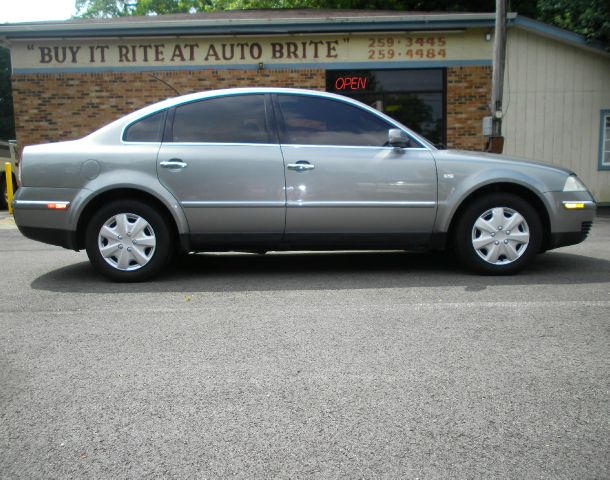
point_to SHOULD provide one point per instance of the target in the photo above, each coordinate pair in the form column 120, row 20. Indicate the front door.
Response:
column 344, row 184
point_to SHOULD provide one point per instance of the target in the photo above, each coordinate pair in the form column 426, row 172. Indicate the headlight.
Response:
column 573, row 184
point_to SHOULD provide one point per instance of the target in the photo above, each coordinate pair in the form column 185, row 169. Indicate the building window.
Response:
column 416, row 98
column 604, row 140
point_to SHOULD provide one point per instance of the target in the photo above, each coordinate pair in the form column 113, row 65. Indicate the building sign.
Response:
column 293, row 51
column 350, row 83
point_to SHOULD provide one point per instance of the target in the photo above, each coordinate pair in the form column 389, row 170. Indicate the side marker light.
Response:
column 573, row 205
column 57, row 206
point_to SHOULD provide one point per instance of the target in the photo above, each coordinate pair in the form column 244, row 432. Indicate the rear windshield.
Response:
column 148, row 129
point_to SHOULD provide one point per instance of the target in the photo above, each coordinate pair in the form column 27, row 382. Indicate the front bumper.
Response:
column 569, row 225
column 563, row 239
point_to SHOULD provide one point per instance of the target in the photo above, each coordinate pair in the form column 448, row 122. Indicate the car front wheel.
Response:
column 128, row 241
column 499, row 234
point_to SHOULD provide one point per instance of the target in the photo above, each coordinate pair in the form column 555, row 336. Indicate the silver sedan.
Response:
column 263, row 169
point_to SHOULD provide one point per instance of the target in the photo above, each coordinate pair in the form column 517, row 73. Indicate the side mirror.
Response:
column 397, row 138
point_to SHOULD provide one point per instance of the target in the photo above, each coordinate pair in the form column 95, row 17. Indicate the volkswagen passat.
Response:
column 262, row 169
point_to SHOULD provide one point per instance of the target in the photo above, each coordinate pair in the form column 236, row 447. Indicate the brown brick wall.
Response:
column 468, row 96
column 56, row 107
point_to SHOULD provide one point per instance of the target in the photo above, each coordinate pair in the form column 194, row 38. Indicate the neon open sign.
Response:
column 350, row 83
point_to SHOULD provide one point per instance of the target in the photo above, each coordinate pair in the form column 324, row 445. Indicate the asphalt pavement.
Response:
column 320, row 365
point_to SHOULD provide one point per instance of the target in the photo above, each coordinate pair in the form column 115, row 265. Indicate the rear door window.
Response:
column 229, row 119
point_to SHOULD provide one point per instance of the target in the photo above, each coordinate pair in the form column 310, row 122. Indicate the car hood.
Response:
column 500, row 160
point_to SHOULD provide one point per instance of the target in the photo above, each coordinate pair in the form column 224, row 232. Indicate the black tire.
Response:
column 157, row 256
column 465, row 234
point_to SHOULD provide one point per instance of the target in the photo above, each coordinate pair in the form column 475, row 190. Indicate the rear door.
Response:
column 220, row 161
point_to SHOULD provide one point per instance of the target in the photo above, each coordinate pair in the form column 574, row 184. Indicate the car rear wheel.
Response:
column 499, row 234
column 128, row 241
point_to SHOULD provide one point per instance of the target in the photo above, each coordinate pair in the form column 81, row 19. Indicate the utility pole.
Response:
column 496, row 140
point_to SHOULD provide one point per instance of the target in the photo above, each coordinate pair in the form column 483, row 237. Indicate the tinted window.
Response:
column 415, row 98
column 149, row 129
column 231, row 119
column 321, row 121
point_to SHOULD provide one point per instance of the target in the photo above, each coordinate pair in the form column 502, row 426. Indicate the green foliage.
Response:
column 119, row 8
column 590, row 18
column 7, row 122
column 164, row 7
column 122, row 8
column 405, row 5
column 103, row 8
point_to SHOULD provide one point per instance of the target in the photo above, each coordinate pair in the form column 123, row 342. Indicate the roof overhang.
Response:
column 283, row 23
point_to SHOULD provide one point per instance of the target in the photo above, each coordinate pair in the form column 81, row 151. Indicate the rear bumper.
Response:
column 52, row 236
column 38, row 217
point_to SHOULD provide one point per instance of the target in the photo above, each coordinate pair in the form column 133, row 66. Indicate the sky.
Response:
column 12, row 11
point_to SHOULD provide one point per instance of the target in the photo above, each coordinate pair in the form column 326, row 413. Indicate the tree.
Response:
column 119, row 8
column 122, row 8
column 7, row 121
column 102, row 8
column 590, row 18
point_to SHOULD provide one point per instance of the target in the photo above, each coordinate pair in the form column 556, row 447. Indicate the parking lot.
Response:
column 291, row 365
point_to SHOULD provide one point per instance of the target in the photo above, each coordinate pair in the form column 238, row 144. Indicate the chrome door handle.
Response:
column 300, row 166
column 173, row 163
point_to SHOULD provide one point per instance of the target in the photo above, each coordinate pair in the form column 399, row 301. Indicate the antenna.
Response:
column 165, row 83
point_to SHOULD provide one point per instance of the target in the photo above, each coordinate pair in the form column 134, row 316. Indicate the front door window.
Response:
column 320, row 121
column 413, row 97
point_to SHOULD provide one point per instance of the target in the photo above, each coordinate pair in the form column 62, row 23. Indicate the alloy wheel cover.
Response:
column 500, row 236
column 126, row 241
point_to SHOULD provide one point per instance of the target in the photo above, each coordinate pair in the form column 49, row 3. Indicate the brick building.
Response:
column 431, row 71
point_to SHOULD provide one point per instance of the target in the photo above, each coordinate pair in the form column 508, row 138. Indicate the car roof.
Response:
column 122, row 122
column 170, row 102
